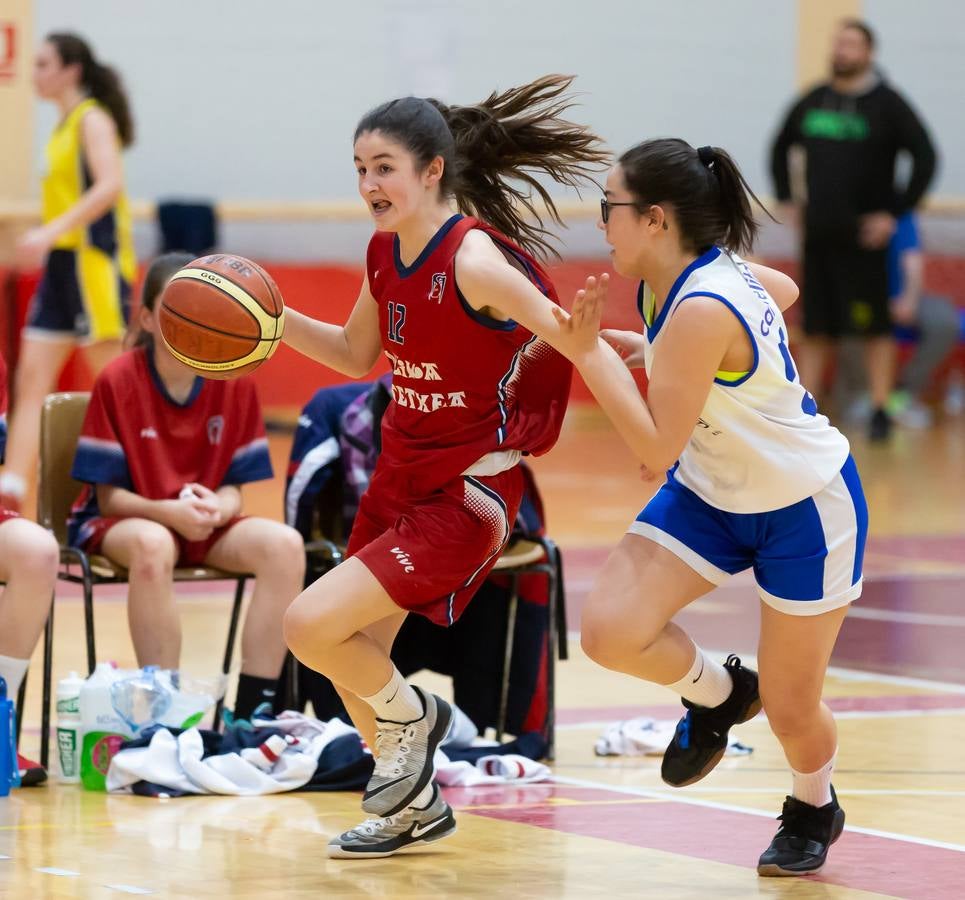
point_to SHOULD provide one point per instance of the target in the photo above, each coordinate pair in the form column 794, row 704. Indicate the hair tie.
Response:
column 707, row 156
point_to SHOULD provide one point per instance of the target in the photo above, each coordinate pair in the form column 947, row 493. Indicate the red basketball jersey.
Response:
column 463, row 384
column 136, row 436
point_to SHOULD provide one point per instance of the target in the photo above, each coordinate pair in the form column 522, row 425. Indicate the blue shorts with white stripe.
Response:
column 806, row 557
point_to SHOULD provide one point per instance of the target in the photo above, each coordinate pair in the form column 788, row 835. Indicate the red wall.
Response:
column 329, row 292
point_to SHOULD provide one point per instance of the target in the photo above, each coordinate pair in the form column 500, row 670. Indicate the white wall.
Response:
column 251, row 100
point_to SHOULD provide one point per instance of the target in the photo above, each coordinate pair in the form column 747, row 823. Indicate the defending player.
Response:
column 763, row 481
column 163, row 452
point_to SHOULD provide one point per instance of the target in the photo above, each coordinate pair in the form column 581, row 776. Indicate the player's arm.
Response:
column 782, row 288
column 696, row 340
column 492, row 286
column 351, row 349
column 694, row 344
column 489, row 283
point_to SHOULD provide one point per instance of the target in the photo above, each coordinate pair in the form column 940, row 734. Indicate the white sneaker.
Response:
column 404, row 753
column 383, row 837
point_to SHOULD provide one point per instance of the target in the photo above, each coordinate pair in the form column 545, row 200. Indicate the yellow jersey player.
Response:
column 84, row 242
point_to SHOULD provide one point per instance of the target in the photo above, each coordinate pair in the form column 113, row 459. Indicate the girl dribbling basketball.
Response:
column 455, row 303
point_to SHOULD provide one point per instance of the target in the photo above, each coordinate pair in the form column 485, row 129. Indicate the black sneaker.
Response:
column 879, row 428
column 801, row 844
column 701, row 736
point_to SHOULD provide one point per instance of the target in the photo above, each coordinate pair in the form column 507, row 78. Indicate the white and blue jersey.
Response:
column 765, row 481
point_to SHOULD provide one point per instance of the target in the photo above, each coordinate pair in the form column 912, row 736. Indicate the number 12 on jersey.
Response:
column 396, row 322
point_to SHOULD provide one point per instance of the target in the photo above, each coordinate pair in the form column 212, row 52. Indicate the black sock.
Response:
column 252, row 692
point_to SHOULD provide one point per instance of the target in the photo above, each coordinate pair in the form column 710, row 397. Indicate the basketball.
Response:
column 221, row 315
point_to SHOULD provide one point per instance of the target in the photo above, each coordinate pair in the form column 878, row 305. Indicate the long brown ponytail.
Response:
column 100, row 81
column 513, row 136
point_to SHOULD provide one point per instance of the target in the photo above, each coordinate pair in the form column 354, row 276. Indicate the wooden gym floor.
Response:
column 605, row 827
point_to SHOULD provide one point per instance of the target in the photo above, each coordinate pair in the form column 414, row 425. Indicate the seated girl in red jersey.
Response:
column 28, row 567
column 463, row 312
column 163, row 452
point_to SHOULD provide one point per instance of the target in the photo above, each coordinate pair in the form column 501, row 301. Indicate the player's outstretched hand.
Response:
column 580, row 328
column 628, row 345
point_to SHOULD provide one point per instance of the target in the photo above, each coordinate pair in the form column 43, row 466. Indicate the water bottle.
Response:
column 9, row 770
column 141, row 698
column 104, row 729
column 69, row 729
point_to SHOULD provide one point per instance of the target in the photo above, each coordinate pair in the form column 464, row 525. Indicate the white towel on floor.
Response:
column 506, row 769
column 647, row 737
column 177, row 762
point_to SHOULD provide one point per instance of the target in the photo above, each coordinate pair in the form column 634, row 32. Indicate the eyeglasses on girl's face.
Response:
column 606, row 205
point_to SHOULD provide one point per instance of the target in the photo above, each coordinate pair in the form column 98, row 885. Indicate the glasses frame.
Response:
column 606, row 205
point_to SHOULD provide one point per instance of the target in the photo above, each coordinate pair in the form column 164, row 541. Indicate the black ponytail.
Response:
column 710, row 197
column 100, row 81
column 509, row 137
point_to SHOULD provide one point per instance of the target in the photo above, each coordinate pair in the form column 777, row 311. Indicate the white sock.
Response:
column 12, row 671
column 13, row 484
column 815, row 787
column 397, row 701
column 707, row 683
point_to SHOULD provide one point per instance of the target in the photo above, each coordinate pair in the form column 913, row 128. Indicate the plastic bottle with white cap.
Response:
column 69, row 728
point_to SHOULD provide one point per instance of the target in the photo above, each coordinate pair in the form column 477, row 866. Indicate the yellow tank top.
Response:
column 66, row 179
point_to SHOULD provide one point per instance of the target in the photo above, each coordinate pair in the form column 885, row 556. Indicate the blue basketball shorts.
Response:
column 806, row 557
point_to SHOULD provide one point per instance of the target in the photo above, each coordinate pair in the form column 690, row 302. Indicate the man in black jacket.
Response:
column 851, row 130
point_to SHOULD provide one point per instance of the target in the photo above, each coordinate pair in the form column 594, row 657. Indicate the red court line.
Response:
column 859, row 861
column 909, row 702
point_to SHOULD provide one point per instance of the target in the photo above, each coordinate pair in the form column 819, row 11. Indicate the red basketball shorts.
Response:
column 190, row 553
column 431, row 554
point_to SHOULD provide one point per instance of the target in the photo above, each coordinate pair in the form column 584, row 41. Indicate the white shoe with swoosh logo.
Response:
column 383, row 837
column 404, row 753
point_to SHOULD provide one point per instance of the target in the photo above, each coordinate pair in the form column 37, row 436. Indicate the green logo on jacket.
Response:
column 834, row 126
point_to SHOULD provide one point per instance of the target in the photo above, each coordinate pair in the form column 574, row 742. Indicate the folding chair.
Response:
column 60, row 423
column 532, row 555
column 527, row 555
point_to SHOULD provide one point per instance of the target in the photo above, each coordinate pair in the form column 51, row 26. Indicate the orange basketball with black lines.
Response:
column 222, row 315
